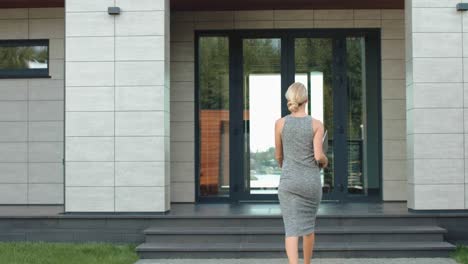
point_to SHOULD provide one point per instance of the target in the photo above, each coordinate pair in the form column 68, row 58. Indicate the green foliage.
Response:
column 461, row 254
column 70, row 253
column 264, row 162
column 14, row 58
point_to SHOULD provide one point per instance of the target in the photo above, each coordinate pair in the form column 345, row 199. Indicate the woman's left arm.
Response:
column 278, row 142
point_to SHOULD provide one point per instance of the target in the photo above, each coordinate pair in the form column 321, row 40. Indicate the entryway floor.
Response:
column 315, row 261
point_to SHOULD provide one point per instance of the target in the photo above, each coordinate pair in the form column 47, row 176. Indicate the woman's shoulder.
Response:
column 316, row 124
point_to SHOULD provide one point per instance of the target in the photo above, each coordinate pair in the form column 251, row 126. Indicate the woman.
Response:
column 298, row 141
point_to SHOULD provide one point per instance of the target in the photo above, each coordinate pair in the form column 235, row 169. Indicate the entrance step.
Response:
column 276, row 250
column 268, row 234
column 256, row 241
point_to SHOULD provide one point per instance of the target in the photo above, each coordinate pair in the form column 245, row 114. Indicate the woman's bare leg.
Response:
column 292, row 249
column 308, row 247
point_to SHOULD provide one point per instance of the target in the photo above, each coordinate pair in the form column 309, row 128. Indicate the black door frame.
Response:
column 236, row 138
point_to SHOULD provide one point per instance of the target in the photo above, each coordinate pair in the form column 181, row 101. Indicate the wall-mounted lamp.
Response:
column 462, row 7
column 113, row 10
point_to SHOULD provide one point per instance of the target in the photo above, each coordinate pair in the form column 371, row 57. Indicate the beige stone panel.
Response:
column 182, row 192
column 393, row 89
column 89, row 199
column 294, row 23
column 293, row 15
column 393, row 49
column 182, row 131
column 183, row 172
column 394, row 170
column 394, row 109
column 439, row 196
column 139, row 148
column 13, row 13
column 182, row 71
column 393, row 69
column 367, row 23
column 182, row 92
column 393, row 14
column 334, row 23
column 256, row 15
column 394, row 149
column 213, row 16
column 367, row 14
column 86, row 74
column 333, row 14
column 182, row 31
column 181, row 16
column 394, row 191
column 182, row 51
column 57, row 48
column 182, row 151
column 14, row 29
column 253, row 24
column 45, row 193
column 141, row 5
column 393, row 129
column 182, row 111
column 57, row 12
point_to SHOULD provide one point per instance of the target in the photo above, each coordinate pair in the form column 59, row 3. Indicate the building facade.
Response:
column 131, row 112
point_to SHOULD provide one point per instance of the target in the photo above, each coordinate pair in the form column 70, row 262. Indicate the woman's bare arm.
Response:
column 318, row 144
column 278, row 143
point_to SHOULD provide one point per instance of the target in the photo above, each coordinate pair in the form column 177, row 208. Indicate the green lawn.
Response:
column 60, row 253
column 461, row 254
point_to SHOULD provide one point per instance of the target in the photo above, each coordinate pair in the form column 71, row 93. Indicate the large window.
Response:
column 24, row 58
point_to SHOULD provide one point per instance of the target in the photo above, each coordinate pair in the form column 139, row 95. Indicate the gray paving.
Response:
column 315, row 261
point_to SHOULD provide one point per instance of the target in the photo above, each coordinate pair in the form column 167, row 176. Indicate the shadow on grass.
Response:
column 70, row 253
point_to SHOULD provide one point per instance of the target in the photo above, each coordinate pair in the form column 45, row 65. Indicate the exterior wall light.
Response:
column 113, row 10
column 462, row 6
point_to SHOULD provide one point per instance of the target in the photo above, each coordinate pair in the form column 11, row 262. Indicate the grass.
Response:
column 461, row 254
column 69, row 253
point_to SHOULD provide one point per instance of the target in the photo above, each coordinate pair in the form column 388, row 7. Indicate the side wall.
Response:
column 437, row 45
column 183, row 25
column 31, row 114
column 117, row 106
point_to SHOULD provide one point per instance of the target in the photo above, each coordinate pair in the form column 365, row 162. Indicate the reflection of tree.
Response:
column 264, row 162
column 214, row 72
column 355, row 81
column 20, row 57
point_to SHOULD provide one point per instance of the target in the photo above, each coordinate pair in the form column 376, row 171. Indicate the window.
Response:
column 24, row 58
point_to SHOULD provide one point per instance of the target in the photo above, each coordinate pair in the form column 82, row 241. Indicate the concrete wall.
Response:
column 393, row 98
column 436, row 45
column 31, row 114
column 117, row 106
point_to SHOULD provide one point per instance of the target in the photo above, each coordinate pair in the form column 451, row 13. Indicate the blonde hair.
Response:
column 296, row 96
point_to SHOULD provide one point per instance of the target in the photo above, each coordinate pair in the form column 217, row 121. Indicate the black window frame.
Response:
column 26, row 73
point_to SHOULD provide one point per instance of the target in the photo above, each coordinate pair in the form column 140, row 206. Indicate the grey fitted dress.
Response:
column 300, row 188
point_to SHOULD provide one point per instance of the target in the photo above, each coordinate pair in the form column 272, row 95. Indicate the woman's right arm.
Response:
column 318, row 144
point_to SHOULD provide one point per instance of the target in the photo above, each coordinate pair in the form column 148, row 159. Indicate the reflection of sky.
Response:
column 37, row 65
column 265, row 105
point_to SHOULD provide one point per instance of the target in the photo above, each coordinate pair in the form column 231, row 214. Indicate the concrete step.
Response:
column 164, row 249
column 268, row 234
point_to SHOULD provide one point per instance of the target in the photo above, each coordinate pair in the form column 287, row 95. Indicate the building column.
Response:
column 117, row 150
column 437, row 95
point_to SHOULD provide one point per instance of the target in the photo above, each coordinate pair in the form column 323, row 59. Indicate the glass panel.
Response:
column 262, row 107
column 214, row 115
column 23, row 57
column 313, row 59
column 356, row 72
